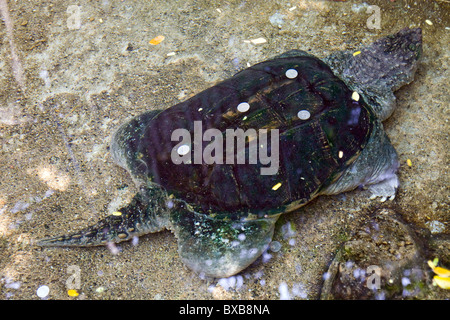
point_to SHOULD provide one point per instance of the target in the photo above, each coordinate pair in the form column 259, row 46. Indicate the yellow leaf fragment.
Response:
column 442, row 272
column 431, row 264
column 409, row 162
column 72, row 293
column 356, row 53
column 442, row 282
column 277, row 186
column 157, row 40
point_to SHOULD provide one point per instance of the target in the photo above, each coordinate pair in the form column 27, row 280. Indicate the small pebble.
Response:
column 284, row 291
column 100, row 289
column 42, row 291
column 405, row 281
column 12, row 285
column 435, row 226
column 429, row 22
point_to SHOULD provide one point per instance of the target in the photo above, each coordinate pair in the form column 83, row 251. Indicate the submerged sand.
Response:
column 70, row 75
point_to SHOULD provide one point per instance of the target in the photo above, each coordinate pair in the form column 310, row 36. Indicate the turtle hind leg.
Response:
column 216, row 246
column 146, row 213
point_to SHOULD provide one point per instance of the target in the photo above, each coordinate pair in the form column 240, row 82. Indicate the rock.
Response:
column 383, row 260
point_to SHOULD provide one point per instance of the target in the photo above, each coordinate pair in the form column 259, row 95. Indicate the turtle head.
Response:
column 405, row 47
column 381, row 68
column 392, row 59
column 385, row 66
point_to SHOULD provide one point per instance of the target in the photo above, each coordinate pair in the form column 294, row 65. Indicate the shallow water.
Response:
column 71, row 74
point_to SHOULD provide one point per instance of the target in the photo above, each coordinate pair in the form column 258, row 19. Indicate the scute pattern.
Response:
column 309, row 148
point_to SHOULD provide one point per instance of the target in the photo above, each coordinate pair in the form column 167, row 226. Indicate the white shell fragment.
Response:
column 291, row 73
column 355, row 96
column 304, row 114
column 184, row 149
column 340, row 154
column 258, row 41
column 243, row 107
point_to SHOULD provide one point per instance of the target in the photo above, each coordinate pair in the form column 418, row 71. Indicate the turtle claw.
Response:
column 385, row 189
column 219, row 247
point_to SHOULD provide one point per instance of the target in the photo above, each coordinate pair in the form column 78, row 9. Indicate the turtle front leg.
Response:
column 146, row 213
column 374, row 169
column 217, row 246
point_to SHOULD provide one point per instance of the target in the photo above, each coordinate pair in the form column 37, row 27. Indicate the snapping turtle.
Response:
column 324, row 118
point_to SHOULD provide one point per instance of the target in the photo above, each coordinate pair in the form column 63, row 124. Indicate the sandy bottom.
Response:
column 70, row 75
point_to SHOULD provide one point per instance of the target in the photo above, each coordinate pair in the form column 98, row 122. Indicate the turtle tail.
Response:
column 146, row 213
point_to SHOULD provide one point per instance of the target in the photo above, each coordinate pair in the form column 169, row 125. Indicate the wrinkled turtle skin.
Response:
column 223, row 214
